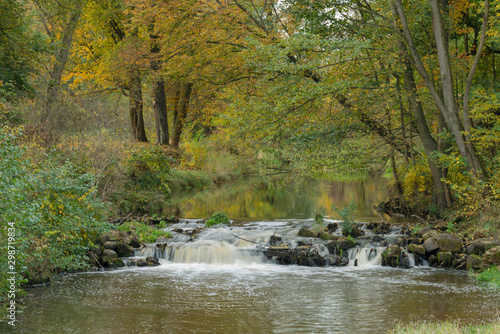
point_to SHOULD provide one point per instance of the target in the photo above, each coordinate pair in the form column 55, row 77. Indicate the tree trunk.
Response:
column 58, row 69
column 428, row 141
column 446, row 105
column 136, row 108
column 159, row 97
column 181, row 103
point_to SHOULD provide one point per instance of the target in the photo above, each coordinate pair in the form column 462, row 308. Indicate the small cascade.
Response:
column 149, row 251
column 370, row 255
column 212, row 252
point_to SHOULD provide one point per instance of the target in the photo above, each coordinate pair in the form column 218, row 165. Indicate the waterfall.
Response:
column 212, row 252
column 370, row 255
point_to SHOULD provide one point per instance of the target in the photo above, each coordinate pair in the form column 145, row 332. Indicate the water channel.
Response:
column 218, row 284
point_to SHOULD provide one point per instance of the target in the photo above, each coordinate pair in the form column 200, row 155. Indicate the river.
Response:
column 217, row 285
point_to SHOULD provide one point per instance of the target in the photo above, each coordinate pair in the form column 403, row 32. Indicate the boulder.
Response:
column 480, row 246
column 152, row 261
column 433, row 260
column 305, row 232
column 473, row 262
column 391, row 256
column 445, row 259
column 116, row 263
column 491, row 257
column 430, row 245
column 141, row 263
column 340, row 243
column 332, row 227
column 110, row 244
column 430, row 234
column 97, row 250
column 423, row 231
column 448, row 242
column 416, row 249
column 107, row 255
column 123, row 250
column 102, row 239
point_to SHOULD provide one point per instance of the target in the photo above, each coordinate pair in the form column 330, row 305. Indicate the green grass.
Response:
column 218, row 218
column 490, row 275
column 145, row 233
column 445, row 327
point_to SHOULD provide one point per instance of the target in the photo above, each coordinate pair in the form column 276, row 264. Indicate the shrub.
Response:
column 54, row 210
column 218, row 218
column 347, row 221
column 149, row 169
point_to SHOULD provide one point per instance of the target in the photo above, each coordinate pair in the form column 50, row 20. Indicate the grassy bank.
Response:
column 446, row 327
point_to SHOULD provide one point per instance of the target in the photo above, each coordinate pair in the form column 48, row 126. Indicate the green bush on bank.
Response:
column 146, row 233
column 217, row 218
column 52, row 211
column 490, row 275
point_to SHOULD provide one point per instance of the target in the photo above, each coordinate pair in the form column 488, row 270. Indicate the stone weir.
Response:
column 308, row 244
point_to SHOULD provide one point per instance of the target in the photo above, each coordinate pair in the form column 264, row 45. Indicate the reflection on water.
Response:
column 252, row 298
column 254, row 199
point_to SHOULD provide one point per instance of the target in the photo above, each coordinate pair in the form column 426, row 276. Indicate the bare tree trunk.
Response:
column 181, row 103
column 136, row 108
column 428, row 141
column 446, row 105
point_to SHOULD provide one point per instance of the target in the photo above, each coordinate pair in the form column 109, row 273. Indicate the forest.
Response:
column 107, row 107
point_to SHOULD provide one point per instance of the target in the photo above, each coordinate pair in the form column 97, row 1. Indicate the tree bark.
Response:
column 62, row 56
column 446, row 105
column 136, row 108
column 428, row 141
column 181, row 103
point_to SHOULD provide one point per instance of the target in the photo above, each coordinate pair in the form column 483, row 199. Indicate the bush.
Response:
column 54, row 210
column 218, row 218
column 347, row 221
column 145, row 233
column 149, row 169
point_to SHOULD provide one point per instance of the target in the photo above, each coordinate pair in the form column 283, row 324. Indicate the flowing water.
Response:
column 221, row 282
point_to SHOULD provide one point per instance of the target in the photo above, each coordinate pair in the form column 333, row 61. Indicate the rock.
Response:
column 116, row 263
column 473, row 262
column 448, row 242
column 332, row 227
column 430, row 234
column 275, row 240
column 423, row 231
column 491, row 257
column 416, row 249
column 97, row 251
column 134, row 241
column 460, row 263
column 152, row 261
column 141, row 263
column 123, row 250
column 340, row 243
column 430, row 245
column 445, row 259
column 377, row 238
column 107, row 255
column 480, row 246
column 333, row 260
column 305, row 232
column 326, row 236
column 102, row 239
column 433, row 261
column 355, row 231
column 405, row 262
column 391, row 256
column 379, row 228
column 110, row 244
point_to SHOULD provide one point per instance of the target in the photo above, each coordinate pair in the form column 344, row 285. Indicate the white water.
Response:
column 244, row 245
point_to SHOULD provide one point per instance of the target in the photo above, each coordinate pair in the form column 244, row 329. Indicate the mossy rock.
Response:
column 307, row 233
column 448, row 242
column 416, row 249
column 491, row 257
column 473, row 262
column 445, row 259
